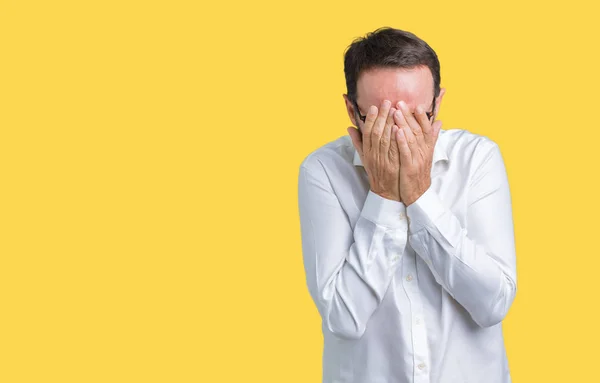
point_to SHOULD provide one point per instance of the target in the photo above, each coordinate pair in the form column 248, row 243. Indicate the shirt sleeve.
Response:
column 348, row 269
column 477, row 264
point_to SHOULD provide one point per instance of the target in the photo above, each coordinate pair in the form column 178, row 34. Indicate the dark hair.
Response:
column 388, row 47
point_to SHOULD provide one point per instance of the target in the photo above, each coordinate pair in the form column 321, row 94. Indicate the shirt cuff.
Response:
column 424, row 211
column 384, row 212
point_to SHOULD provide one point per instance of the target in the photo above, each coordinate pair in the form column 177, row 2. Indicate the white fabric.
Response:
column 417, row 293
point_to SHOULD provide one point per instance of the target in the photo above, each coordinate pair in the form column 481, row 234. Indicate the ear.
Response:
column 350, row 109
column 438, row 102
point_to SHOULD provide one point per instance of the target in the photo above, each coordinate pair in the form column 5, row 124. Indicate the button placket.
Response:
column 394, row 259
column 419, row 335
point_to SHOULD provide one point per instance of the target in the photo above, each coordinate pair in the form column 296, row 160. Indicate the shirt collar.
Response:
column 439, row 152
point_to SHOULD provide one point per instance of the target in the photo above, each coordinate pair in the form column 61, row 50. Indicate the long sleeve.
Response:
column 476, row 266
column 348, row 270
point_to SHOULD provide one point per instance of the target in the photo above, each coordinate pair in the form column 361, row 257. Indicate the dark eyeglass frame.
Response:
column 364, row 118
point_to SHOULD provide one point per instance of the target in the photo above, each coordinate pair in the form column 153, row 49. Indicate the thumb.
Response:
column 437, row 125
column 356, row 139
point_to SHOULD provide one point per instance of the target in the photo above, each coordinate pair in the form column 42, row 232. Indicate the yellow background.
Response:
column 149, row 154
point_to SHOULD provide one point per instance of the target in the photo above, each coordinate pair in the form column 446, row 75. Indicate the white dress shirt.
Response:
column 410, row 294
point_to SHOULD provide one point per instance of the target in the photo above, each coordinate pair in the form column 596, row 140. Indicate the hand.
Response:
column 378, row 150
column 416, row 140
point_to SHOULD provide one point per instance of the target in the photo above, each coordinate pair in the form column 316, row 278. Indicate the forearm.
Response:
column 348, row 269
column 352, row 294
column 477, row 267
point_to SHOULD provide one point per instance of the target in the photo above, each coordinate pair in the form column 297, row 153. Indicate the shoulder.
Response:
column 476, row 157
column 468, row 148
column 334, row 154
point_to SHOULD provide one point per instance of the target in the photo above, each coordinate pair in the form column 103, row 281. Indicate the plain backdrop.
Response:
column 149, row 155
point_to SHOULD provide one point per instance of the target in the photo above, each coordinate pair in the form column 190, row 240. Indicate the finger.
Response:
column 390, row 118
column 412, row 122
column 356, row 139
column 399, row 119
column 437, row 126
column 394, row 154
column 412, row 143
column 379, row 125
column 425, row 125
column 369, row 121
column 403, row 149
column 387, row 131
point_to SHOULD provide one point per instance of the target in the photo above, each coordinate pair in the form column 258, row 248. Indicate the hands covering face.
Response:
column 416, row 139
column 396, row 149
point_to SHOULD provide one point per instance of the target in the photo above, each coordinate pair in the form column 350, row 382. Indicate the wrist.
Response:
column 387, row 195
column 410, row 199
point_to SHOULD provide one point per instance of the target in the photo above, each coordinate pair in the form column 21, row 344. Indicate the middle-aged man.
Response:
column 407, row 229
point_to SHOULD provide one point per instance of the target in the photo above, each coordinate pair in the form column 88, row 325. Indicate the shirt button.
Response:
column 421, row 366
column 418, row 321
column 402, row 215
column 409, row 277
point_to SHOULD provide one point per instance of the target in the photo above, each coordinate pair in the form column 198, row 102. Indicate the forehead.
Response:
column 414, row 86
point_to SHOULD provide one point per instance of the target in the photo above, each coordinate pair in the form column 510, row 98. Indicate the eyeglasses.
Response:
column 364, row 118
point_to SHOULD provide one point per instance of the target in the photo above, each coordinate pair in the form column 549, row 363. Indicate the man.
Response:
column 407, row 230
